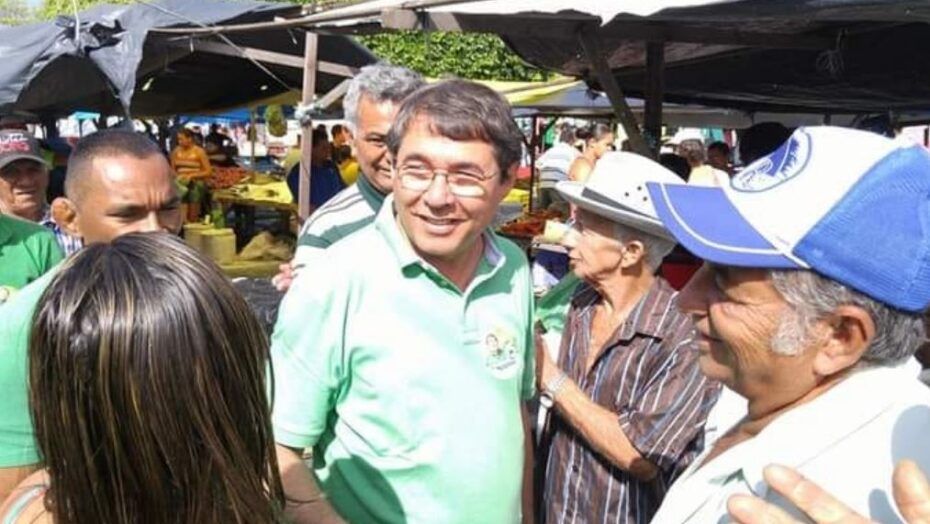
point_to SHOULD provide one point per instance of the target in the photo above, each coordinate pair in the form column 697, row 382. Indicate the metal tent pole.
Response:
column 311, row 44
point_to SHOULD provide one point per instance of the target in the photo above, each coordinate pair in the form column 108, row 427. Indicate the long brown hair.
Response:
column 147, row 390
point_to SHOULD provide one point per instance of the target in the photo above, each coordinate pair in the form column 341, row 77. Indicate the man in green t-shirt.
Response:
column 118, row 182
column 27, row 251
column 404, row 360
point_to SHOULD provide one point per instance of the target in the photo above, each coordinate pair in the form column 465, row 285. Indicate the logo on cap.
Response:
column 777, row 168
column 14, row 143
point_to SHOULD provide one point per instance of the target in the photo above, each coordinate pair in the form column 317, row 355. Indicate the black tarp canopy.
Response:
column 837, row 56
column 120, row 61
column 823, row 56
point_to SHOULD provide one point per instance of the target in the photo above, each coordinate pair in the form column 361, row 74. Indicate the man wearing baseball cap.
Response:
column 809, row 305
column 27, row 250
column 24, row 179
column 626, row 397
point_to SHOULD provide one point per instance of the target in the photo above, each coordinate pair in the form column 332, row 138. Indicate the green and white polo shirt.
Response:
column 408, row 389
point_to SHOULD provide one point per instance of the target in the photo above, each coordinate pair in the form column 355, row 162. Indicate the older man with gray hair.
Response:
column 809, row 306
column 629, row 400
column 370, row 104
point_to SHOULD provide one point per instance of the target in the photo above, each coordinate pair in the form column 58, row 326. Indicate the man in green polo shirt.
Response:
column 403, row 361
column 118, row 182
column 27, row 251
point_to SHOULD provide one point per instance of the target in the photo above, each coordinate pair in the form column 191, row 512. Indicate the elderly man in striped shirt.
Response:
column 629, row 399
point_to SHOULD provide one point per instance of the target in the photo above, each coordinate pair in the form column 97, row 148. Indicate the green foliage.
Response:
column 14, row 12
column 274, row 118
column 467, row 55
column 53, row 8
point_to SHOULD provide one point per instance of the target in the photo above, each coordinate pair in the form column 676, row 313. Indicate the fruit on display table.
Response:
column 530, row 225
column 226, row 177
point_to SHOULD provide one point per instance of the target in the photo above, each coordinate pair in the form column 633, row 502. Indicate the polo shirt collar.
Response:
column 386, row 224
column 799, row 435
column 372, row 196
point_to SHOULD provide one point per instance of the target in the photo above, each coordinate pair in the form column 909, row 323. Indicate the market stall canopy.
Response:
column 114, row 58
column 578, row 100
column 835, row 56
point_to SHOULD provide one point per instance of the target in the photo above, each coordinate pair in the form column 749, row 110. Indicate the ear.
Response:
column 847, row 333
column 508, row 183
column 65, row 213
column 634, row 252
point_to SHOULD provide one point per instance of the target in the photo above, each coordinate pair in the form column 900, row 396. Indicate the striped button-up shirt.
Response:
column 647, row 373
column 68, row 243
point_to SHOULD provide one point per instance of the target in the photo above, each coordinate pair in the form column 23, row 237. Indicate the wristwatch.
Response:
column 551, row 389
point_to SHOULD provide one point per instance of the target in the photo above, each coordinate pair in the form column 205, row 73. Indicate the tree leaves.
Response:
column 13, row 12
column 467, row 55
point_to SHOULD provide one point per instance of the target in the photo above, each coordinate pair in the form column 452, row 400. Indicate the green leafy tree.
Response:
column 467, row 55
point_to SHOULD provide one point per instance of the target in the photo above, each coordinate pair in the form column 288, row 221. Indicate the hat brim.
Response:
column 706, row 223
column 574, row 193
column 23, row 156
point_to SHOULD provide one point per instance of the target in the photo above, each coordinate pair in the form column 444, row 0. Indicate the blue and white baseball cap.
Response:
column 852, row 206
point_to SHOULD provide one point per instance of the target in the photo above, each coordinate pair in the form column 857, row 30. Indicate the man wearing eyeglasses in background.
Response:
column 404, row 360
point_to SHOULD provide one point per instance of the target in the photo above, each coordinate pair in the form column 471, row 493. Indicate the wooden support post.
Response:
column 306, row 144
column 334, row 94
column 655, row 86
column 590, row 42
column 253, row 136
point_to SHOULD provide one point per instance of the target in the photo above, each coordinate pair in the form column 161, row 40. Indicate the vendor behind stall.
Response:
column 325, row 181
column 191, row 164
column 219, row 147
column 189, row 160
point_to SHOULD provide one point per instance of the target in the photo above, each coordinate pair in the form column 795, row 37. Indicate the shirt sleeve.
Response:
column 671, row 410
column 17, row 435
column 47, row 252
column 528, row 389
column 54, row 254
column 307, row 356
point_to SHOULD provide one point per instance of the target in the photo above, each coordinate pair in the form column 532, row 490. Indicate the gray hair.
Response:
column 380, row 82
column 693, row 150
column 812, row 297
column 656, row 247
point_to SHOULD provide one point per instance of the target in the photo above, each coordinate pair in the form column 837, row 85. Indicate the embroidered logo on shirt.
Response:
column 500, row 347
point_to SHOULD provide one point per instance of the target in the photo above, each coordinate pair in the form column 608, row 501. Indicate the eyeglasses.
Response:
column 461, row 183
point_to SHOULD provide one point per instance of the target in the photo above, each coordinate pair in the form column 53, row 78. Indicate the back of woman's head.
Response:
column 593, row 132
column 147, row 390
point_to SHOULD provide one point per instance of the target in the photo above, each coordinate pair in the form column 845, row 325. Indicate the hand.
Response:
column 910, row 488
column 283, row 280
column 911, row 493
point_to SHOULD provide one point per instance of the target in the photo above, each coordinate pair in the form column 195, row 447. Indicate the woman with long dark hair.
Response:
column 147, row 391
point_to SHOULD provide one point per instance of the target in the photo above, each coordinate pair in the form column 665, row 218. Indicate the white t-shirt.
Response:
column 706, row 175
column 847, row 441
column 730, row 408
column 554, row 164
